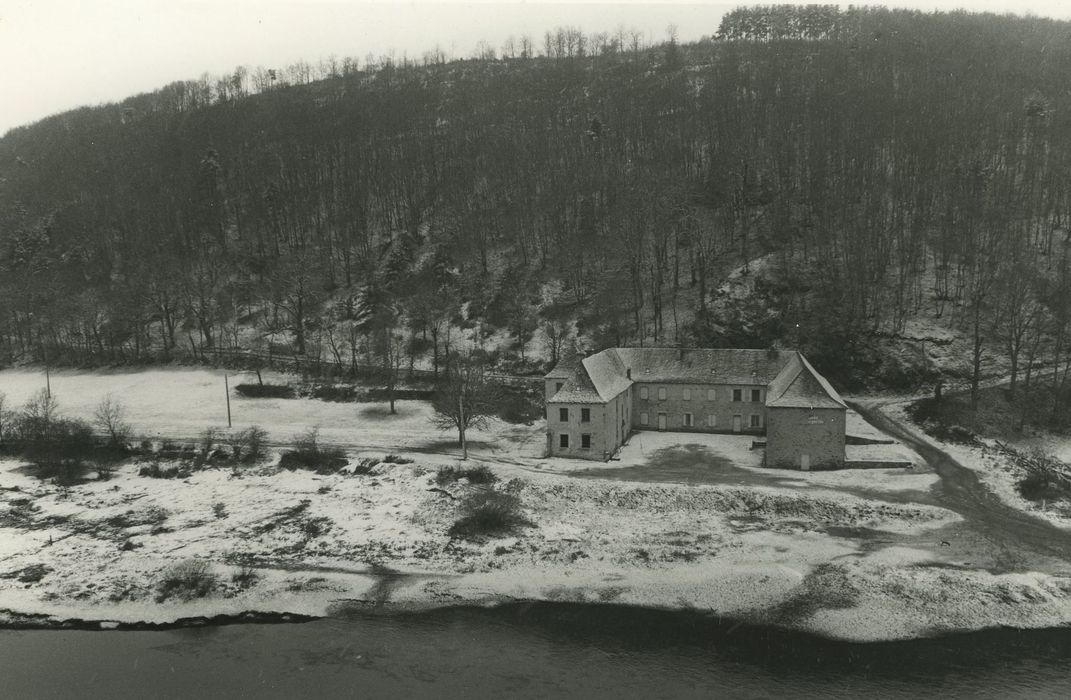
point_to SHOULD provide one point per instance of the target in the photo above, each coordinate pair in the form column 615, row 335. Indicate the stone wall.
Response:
column 609, row 426
column 675, row 405
column 817, row 433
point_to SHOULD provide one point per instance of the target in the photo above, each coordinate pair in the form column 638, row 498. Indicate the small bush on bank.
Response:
column 489, row 512
column 1047, row 478
column 476, row 475
column 1040, row 487
column 176, row 471
column 309, row 454
column 186, row 580
column 248, row 446
column 245, row 577
column 61, row 450
column 365, row 465
column 265, row 391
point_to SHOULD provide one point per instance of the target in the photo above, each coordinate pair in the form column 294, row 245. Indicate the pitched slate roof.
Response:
column 703, row 365
column 799, row 385
column 596, row 379
column 790, row 379
column 608, row 375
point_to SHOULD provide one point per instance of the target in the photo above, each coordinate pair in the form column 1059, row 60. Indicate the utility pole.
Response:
column 461, row 422
column 227, row 391
column 48, row 380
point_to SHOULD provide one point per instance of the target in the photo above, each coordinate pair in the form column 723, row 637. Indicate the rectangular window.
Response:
column 712, row 422
column 738, row 395
column 711, row 395
column 688, row 420
column 756, row 395
column 643, row 392
column 585, row 415
column 756, row 420
column 558, row 386
column 563, row 415
column 563, row 439
column 643, row 419
column 687, row 394
column 585, row 441
column 661, row 393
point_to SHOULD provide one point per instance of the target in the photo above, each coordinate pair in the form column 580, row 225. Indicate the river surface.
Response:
column 523, row 651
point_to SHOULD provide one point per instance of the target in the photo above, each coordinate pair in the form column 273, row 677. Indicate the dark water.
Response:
column 535, row 650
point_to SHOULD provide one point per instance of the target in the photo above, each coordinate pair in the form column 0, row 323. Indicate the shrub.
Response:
column 519, row 404
column 397, row 459
column 1041, row 487
column 265, row 391
column 248, row 445
column 219, row 510
column 155, row 471
column 488, row 512
column 476, row 475
column 1047, row 478
column 186, row 580
column 209, row 436
column 334, row 392
column 365, row 465
column 58, row 447
column 480, row 475
column 245, row 577
column 308, row 454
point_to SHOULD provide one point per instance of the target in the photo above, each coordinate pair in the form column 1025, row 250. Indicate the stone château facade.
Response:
column 594, row 404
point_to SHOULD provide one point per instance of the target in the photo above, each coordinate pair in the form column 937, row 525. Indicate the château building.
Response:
column 594, row 404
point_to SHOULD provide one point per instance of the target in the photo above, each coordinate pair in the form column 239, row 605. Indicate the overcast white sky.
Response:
column 59, row 54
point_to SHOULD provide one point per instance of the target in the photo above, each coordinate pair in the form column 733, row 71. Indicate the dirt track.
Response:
column 1016, row 536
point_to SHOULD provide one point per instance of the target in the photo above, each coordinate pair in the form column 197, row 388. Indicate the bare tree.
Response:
column 465, row 398
column 110, row 418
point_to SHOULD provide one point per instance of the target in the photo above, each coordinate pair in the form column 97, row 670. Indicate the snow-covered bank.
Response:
column 319, row 544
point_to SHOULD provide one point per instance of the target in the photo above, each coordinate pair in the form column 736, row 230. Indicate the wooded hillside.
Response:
column 891, row 160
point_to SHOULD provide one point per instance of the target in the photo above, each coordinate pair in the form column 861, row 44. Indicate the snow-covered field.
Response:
column 180, row 403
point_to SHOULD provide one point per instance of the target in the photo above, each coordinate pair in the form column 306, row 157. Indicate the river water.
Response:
column 530, row 650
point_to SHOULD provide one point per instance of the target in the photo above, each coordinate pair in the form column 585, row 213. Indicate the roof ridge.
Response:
column 822, row 381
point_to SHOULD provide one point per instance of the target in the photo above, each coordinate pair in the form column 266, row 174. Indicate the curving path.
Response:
column 1016, row 534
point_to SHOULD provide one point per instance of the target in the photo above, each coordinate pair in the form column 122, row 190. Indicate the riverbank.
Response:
column 281, row 542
